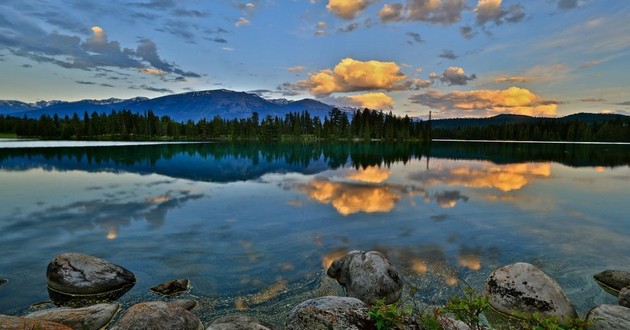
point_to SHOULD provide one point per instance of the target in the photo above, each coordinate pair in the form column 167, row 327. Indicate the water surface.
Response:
column 254, row 226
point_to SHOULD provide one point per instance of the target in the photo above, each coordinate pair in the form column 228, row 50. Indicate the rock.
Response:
column 187, row 304
column 86, row 318
column 171, row 288
column 330, row 312
column 613, row 280
column 605, row 317
column 77, row 280
column 624, row 297
column 237, row 322
column 157, row 315
column 12, row 322
column 3, row 281
column 368, row 276
column 523, row 289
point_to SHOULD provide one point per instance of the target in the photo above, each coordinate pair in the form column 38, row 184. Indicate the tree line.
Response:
column 125, row 125
column 615, row 129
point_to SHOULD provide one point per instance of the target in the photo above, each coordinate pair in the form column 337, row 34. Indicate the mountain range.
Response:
column 180, row 107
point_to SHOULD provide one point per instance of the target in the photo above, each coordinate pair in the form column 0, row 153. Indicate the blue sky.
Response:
column 456, row 58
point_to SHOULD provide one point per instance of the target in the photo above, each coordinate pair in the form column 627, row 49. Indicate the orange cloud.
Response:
column 372, row 101
column 351, row 75
column 296, row 69
column 488, row 102
column 347, row 9
column 349, row 198
column 153, row 71
column 371, row 174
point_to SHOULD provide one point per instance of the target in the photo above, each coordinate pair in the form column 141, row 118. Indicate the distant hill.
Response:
column 519, row 119
column 181, row 107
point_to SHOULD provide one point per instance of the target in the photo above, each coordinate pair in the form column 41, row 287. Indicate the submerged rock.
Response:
column 87, row 318
column 187, row 304
column 337, row 313
column 3, row 281
column 624, row 297
column 171, row 288
column 609, row 317
column 76, row 279
column 521, row 289
column 13, row 322
column 157, row 315
column 237, row 322
column 613, row 280
column 368, row 276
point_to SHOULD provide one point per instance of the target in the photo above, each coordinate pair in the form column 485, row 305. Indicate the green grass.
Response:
column 8, row 136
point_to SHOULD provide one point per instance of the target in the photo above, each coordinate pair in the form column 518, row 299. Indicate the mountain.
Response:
column 181, row 107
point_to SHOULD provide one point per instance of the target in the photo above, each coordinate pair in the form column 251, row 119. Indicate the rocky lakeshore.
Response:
column 84, row 290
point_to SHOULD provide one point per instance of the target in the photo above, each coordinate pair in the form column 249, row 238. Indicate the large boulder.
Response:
column 76, row 279
column 157, row 315
column 613, row 280
column 237, row 322
column 609, row 317
column 368, row 276
column 521, row 289
column 330, row 312
column 624, row 297
column 13, row 322
column 87, row 318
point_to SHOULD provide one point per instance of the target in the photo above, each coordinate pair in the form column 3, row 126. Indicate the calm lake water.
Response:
column 254, row 226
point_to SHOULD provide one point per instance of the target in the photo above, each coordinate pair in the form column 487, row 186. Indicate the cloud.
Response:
column 371, row 101
column 153, row 71
column 624, row 103
column 415, row 38
column 483, row 103
column 349, row 28
column 467, row 32
column 537, row 74
column 511, row 80
column 157, row 90
column 454, row 76
column 242, row 22
column 491, row 11
column 567, row 4
column 81, row 82
column 296, row 69
column 443, row 12
column 371, row 174
column 351, row 75
column 147, row 50
column 320, row 28
column 589, row 64
column 593, row 99
column 347, row 9
column 157, row 4
column 448, row 54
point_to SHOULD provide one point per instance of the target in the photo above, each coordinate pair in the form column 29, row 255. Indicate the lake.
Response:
column 253, row 226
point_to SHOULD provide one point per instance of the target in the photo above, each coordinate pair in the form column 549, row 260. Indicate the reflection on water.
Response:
column 254, row 227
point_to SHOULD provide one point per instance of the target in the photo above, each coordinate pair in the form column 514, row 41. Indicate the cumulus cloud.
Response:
column 483, row 103
column 347, row 9
column 444, row 12
column 371, row 101
column 352, row 75
column 454, row 76
column 491, row 11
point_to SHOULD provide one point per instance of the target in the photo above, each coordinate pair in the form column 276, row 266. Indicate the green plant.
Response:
column 385, row 316
column 540, row 322
column 468, row 308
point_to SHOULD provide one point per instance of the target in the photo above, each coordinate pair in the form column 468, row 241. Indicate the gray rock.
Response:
column 368, row 276
column 171, row 288
column 613, row 280
column 76, row 280
column 609, row 317
column 13, row 322
column 337, row 313
column 624, row 297
column 87, row 318
column 237, row 322
column 187, row 304
column 157, row 315
column 523, row 289
column 3, row 281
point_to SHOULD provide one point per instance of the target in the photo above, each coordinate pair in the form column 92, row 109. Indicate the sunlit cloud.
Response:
column 371, row 174
column 347, row 9
column 391, row 12
column 454, row 76
column 491, row 11
column 242, row 22
column 371, row 101
column 351, row 75
column 478, row 103
column 153, row 71
column 349, row 198
column 296, row 69
column 537, row 74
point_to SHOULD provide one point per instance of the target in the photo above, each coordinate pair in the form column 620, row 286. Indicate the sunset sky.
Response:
column 457, row 58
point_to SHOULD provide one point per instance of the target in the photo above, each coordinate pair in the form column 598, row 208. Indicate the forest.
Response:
column 337, row 125
column 125, row 125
